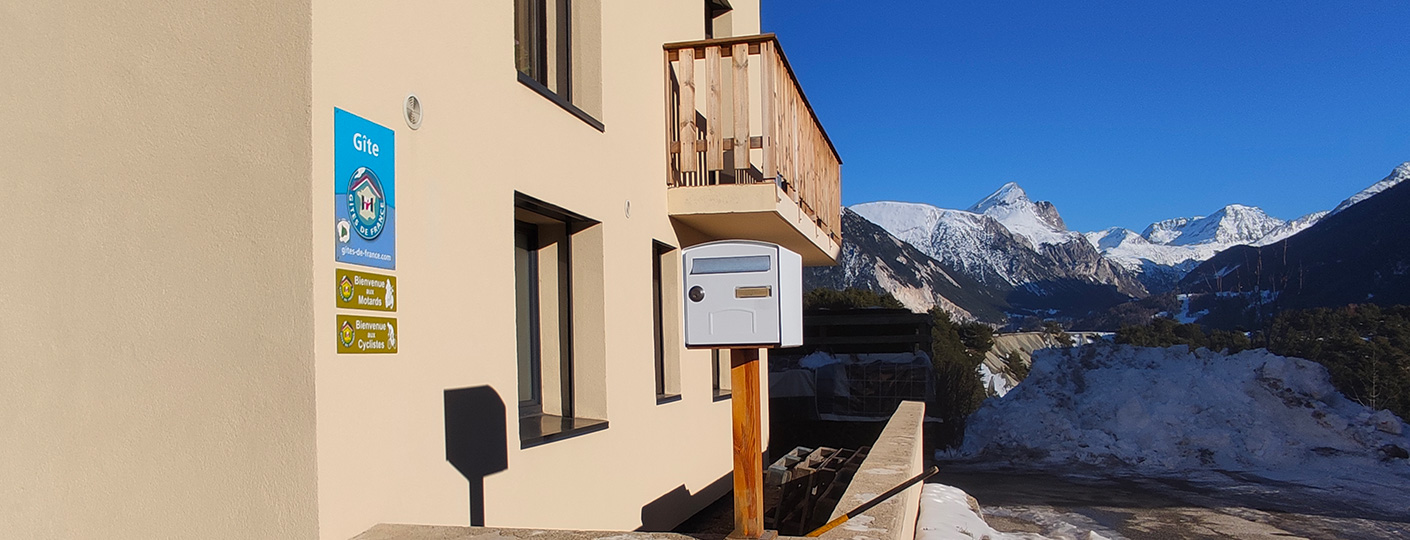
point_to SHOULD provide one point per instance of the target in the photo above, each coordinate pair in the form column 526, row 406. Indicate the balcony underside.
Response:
column 760, row 212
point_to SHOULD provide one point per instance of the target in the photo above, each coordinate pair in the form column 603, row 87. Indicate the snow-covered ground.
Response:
column 1179, row 413
column 948, row 513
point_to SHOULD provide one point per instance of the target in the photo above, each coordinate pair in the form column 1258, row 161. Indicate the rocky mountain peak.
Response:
column 1049, row 214
column 1038, row 222
column 1008, row 195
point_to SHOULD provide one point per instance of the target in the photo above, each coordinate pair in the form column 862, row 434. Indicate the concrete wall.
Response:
column 486, row 136
column 897, row 455
column 157, row 303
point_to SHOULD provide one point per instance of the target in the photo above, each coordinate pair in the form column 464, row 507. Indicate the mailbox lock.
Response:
column 697, row 294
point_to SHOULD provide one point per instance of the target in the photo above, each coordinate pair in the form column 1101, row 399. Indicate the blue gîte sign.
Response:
column 364, row 196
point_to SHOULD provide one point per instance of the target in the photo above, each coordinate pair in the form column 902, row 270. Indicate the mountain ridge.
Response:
column 1031, row 264
column 1009, row 242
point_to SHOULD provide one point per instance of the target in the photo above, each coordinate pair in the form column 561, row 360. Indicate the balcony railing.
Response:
column 738, row 116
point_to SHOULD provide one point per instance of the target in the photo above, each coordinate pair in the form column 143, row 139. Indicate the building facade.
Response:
column 292, row 269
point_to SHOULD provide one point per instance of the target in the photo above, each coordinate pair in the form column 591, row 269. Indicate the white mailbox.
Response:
column 740, row 293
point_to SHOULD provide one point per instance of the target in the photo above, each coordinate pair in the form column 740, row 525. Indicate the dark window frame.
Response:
column 718, row 390
column 536, row 77
column 659, row 251
column 537, row 427
column 713, row 9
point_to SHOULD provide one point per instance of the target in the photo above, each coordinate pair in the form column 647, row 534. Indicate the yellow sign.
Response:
column 367, row 335
column 365, row 290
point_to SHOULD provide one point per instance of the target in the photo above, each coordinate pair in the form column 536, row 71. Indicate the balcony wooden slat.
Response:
column 685, row 72
column 741, row 110
column 714, row 146
column 672, row 131
column 769, row 66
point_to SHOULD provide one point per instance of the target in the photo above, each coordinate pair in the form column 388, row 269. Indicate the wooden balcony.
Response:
column 747, row 157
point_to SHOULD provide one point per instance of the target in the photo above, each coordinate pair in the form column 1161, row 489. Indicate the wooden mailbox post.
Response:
column 748, row 445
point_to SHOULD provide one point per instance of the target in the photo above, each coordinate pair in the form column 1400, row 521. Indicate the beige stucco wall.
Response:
column 156, row 305
column 168, row 313
column 485, row 136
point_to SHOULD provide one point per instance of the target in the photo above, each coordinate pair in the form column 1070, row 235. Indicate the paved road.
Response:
column 1218, row 505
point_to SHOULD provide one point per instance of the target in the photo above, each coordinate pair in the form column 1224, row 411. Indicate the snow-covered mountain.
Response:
column 1011, row 243
column 1358, row 255
column 1400, row 174
column 975, row 244
column 1027, row 261
column 1290, row 228
column 1168, row 249
column 1231, row 225
column 874, row 260
column 1038, row 222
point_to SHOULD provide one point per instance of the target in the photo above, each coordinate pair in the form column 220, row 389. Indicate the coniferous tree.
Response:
column 959, row 388
column 852, row 297
column 1016, row 366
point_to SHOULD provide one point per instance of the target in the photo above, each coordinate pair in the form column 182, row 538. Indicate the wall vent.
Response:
column 413, row 111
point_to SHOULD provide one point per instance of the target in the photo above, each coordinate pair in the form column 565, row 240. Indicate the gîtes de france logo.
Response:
column 346, row 334
column 345, row 289
column 367, row 204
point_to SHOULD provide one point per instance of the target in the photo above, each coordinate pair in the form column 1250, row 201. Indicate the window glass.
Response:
column 527, row 317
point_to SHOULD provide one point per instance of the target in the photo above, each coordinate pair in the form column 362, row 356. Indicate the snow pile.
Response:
column 1172, row 409
column 995, row 383
column 948, row 513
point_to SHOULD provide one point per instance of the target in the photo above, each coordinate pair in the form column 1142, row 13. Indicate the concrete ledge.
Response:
column 896, row 456
column 441, row 532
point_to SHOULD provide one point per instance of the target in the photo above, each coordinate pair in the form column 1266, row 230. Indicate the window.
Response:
column 549, row 281
column 717, row 20
column 665, row 306
column 720, row 374
column 557, row 51
column 542, row 51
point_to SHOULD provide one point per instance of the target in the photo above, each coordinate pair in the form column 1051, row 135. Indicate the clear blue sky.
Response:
column 1120, row 113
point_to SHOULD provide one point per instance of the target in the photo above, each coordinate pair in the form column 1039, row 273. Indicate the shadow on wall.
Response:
column 476, row 440
column 670, row 511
